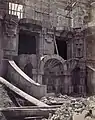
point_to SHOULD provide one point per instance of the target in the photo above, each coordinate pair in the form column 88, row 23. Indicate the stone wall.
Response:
column 23, row 59
column 3, row 7
column 3, row 10
column 46, row 43
column 91, row 35
column 1, row 50
column 92, row 15
column 80, row 13
column 91, row 80
column 10, row 35
column 90, row 42
column 90, row 45
column 50, row 12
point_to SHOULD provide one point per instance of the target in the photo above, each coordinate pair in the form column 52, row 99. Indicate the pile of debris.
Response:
column 5, row 100
column 59, row 99
column 71, row 105
column 68, row 108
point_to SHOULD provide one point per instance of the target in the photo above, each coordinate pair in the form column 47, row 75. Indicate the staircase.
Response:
column 18, row 78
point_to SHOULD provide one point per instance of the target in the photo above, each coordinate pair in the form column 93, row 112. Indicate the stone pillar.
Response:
column 39, row 54
column 77, row 64
column 70, row 45
column 41, row 42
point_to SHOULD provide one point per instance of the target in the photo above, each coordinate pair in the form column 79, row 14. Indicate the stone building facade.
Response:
column 57, row 57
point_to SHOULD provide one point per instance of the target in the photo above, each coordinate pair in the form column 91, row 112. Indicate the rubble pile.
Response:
column 5, row 101
column 69, row 108
column 60, row 99
column 71, row 105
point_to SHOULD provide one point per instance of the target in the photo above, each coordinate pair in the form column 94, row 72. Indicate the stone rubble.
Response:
column 60, row 99
column 5, row 101
column 71, row 105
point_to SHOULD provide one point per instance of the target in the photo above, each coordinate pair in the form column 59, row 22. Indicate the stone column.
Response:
column 39, row 54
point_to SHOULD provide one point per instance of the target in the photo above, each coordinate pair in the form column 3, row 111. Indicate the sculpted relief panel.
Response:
column 78, row 43
column 10, row 35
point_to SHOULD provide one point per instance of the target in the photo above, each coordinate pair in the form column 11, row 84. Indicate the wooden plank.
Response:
column 22, row 113
column 23, row 94
column 29, row 107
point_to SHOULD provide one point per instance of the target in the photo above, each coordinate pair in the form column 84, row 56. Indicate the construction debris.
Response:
column 72, row 107
column 68, row 108
column 5, row 101
column 22, row 94
column 59, row 99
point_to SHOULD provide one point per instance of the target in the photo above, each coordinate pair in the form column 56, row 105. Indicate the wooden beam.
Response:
column 23, row 94
column 22, row 113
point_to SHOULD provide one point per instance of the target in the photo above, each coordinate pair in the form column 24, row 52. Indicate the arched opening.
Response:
column 27, row 43
column 53, row 76
column 62, row 48
column 28, row 70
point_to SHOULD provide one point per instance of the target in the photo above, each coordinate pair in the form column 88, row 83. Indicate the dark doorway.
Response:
column 62, row 48
column 76, row 79
column 28, row 70
column 27, row 43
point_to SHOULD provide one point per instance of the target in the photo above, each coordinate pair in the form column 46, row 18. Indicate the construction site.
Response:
column 47, row 59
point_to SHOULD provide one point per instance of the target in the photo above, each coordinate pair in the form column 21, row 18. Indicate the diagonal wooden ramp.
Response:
column 23, row 94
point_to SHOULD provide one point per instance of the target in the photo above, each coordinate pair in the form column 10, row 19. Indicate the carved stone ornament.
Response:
column 10, row 33
column 48, row 38
column 10, row 27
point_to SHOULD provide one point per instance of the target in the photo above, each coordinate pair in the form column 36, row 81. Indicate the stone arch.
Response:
column 45, row 58
column 52, row 69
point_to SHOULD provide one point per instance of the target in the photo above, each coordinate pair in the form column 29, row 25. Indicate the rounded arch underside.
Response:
column 46, row 58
